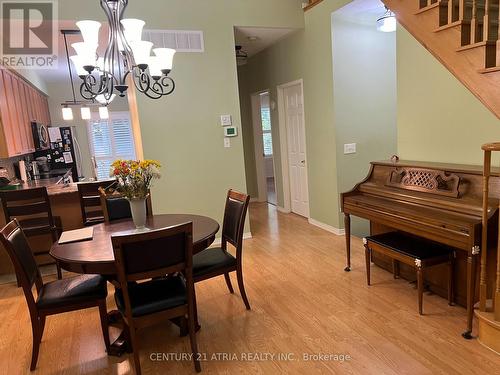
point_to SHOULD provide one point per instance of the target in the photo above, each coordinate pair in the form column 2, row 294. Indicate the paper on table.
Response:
column 67, row 157
column 54, row 134
column 76, row 235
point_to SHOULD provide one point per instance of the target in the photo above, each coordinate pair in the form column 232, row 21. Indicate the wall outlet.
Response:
column 227, row 142
column 226, row 120
column 350, row 148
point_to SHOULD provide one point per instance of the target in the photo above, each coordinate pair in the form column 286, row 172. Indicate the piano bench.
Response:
column 413, row 251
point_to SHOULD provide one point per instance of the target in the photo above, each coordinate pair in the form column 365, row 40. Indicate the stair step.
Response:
column 477, row 45
column 489, row 70
column 427, row 8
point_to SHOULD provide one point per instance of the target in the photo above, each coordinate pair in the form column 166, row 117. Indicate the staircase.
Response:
column 463, row 35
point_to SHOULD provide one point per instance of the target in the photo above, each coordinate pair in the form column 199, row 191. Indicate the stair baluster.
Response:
column 465, row 16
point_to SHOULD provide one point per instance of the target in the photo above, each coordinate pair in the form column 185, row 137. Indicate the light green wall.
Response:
column 183, row 130
column 364, row 89
column 438, row 118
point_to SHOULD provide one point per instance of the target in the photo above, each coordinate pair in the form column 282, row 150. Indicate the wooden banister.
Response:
column 312, row 3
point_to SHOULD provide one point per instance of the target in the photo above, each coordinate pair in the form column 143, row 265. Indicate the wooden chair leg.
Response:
column 59, row 271
column 395, row 268
column 420, row 287
column 195, row 312
column 368, row 266
column 135, row 350
column 103, row 314
column 192, row 338
column 228, row 282
column 239, row 275
column 37, row 325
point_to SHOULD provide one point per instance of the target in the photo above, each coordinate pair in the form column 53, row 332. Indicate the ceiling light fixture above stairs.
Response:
column 387, row 23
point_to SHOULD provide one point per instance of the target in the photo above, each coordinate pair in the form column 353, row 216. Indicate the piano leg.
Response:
column 471, row 288
column 347, row 225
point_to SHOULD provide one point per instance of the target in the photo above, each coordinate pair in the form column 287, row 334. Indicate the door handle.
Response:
column 303, row 161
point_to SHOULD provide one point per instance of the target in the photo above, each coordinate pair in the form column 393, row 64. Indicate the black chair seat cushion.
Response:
column 211, row 260
column 118, row 208
column 72, row 290
column 153, row 296
column 411, row 246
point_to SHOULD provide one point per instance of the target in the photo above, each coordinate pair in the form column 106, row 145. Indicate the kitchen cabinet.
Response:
column 20, row 105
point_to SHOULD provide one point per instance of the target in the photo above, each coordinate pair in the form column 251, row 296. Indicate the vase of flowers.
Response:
column 134, row 179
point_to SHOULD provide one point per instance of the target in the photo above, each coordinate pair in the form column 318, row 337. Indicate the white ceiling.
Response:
column 266, row 37
column 361, row 11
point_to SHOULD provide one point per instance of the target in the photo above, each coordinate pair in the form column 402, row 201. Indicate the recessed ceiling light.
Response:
column 253, row 38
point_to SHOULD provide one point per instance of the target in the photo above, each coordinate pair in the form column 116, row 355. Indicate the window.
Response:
column 110, row 139
column 267, row 137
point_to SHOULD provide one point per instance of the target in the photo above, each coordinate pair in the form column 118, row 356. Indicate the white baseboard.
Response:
column 328, row 228
column 281, row 209
column 253, row 200
column 246, row 236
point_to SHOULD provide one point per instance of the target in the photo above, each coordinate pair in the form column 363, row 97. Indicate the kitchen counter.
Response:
column 53, row 188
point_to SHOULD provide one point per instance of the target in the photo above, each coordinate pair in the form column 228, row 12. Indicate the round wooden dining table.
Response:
column 95, row 256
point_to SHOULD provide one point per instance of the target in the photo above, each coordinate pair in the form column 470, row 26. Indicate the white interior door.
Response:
column 296, row 140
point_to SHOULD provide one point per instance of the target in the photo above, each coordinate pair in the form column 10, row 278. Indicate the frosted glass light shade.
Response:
column 86, row 53
column 100, row 65
column 103, row 113
column 155, row 67
column 67, row 114
column 132, row 29
column 142, row 51
column 102, row 99
column 166, row 56
column 387, row 23
column 85, row 112
column 78, row 65
column 90, row 31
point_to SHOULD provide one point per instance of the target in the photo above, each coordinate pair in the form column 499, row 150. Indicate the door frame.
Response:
column 258, row 145
column 285, row 168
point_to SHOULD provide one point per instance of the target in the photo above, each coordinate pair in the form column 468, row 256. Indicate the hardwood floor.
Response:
column 302, row 302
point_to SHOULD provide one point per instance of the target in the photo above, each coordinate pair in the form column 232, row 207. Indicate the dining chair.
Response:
column 150, row 256
column 68, row 294
column 90, row 201
column 218, row 261
column 31, row 207
column 116, row 207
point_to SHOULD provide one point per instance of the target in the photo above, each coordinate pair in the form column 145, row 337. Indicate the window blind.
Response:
column 266, row 131
column 111, row 139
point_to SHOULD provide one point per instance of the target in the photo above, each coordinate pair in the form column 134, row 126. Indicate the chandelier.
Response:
column 126, row 56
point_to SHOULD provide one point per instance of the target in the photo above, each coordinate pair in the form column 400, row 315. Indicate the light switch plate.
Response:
column 227, row 142
column 350, row 148
column 226, row 120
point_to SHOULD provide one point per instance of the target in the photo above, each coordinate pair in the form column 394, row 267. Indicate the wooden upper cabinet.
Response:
column 20, row 105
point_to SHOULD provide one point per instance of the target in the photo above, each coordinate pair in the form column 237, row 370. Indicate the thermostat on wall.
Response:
column 230, row 131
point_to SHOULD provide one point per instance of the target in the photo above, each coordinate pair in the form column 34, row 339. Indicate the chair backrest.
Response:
column 90, row 201
column 18, row 248
column 116, row 207
column 154, row 253
column 234, row 219
column 29, row 204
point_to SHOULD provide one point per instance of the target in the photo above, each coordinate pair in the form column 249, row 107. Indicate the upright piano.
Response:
column 440, row 202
